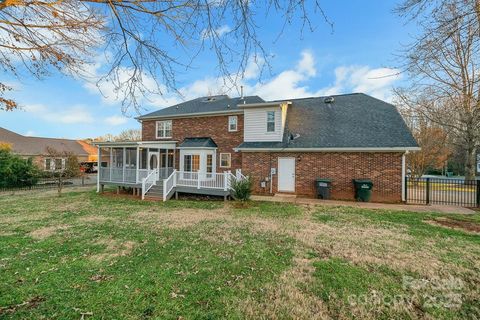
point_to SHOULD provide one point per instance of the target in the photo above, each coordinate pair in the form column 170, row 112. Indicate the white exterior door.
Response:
column 153, row 161
column 286, row 174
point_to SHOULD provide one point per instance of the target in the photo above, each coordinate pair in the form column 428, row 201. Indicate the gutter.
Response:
column 389, row 149
column 190, row 115
column 263, row 104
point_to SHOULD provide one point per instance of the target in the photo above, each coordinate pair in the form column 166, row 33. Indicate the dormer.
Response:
column 264, row 121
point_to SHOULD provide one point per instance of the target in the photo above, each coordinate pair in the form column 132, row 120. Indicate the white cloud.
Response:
column 295, row 82
column 289, row 83
column 30, row 133
column 72, row 115
column 116, row 120
column 374, row 81
column 218, row 32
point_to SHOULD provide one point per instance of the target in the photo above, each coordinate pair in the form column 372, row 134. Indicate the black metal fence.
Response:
column 456, row 192
column 51, row 183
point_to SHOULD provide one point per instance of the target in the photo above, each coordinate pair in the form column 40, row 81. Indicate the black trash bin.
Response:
column 323, row 188
column 363, row 189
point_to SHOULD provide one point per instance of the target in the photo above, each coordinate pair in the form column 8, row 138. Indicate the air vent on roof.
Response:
column 329, row 100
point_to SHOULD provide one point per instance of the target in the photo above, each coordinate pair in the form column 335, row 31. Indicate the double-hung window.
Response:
column 209, row 165
column 48, row 164
column 232, row 123
column 225, row 160
column 270, row 121
column 191, row 162
column 164, row 129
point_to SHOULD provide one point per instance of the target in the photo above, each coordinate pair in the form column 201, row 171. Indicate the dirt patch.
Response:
column 457, row 224
column 121, row 195
column 113, row 249
column 46, row 232
column 288, row 297
column 32, row 303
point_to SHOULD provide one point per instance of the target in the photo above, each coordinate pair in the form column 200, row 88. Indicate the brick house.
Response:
column 200, row 145
column 36, row 149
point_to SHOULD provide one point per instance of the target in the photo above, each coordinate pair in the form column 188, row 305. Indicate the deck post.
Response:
column 99, row 166
column 138, row 164
column 111, row 162
column 124, row 162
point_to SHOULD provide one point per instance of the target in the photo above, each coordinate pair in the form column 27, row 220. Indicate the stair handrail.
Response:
column 148, row 182
column 169, row 184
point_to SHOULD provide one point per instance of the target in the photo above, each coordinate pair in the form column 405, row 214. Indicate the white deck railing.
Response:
column 169, row 184
column 121, row 175
column 204, row 180
column 148, row 182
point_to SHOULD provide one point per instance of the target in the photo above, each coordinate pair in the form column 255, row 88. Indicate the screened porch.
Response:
column 129, row 163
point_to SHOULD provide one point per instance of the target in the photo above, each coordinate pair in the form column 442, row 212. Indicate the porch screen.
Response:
column 131, row 158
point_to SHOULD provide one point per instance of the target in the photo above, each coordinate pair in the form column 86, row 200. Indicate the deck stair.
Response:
column 156, row 191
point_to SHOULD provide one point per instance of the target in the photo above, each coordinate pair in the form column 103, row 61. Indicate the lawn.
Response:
column 93, row 256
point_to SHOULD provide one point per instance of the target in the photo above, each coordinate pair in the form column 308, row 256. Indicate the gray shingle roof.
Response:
column 222, row 103
column 351, row 121
column 198, row 143
column 30, row 146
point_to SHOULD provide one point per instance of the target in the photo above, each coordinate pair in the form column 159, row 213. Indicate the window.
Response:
column 225, row 160
column 209, row 165
column 270, row 121
column 48, row 164
column 232, row 123
column 59, row 164
column 164, row 129
column 191, row 163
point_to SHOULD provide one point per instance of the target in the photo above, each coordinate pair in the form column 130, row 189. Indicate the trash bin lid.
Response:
column 362, row 181
column 323, row 180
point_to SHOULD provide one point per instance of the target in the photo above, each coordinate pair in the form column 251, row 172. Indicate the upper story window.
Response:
column 232, row 123
column 164, row 129
column 270, row 121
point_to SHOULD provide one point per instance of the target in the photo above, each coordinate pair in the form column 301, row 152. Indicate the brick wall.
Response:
column 215, row 127
column 385, row 170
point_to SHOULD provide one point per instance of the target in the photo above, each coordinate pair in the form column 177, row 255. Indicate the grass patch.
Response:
column 108, row 257
column 269, row 209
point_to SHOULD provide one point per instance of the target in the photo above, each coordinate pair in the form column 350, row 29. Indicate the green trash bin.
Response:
column 363, row 189
column 323, row 187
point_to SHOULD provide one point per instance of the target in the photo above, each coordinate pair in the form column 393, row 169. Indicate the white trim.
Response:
column 152, row 144
column 392, row 149
column 263, row 104
column 197, row 148
column 404, row 171
column 229, row 162
column 164, row 130
column 236, row 123
column 191, row 115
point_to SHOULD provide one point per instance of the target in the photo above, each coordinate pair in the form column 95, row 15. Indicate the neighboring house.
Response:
column 36, row 148
column 202, row 144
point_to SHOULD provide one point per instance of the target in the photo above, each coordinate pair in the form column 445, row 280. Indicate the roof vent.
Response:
column 329, row 100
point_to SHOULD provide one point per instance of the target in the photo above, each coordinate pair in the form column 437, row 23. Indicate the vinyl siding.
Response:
column 255, row 125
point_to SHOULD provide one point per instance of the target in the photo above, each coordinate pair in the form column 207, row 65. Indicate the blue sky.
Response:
column 359, row 56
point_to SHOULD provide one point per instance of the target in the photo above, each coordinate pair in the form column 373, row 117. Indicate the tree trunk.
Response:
column 470, row 162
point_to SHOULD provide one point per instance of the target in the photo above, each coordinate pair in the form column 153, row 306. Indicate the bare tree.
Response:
column 125, row 135
column 137, row 38
column 432, row 139
column 444, row 65
column 69, row 166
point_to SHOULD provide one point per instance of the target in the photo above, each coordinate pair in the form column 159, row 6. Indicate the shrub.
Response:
column 242, row 189
column 15, row 171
